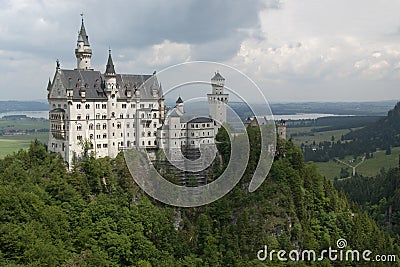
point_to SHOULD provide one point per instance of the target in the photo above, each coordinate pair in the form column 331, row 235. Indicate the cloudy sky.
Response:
column 308, row 50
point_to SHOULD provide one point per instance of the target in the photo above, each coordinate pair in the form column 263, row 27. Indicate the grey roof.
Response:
column 110, row 65
column 83, row 35
column 179, row 101
column 200, row 120
column 93, row 82
column 217, row 76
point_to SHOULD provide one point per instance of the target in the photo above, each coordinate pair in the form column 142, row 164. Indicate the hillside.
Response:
column 97, row 216
column 383, row 133
column 6, row 106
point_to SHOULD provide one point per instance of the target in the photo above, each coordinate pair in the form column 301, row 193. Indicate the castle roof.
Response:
column 82, row 34
column 110, row 64
column 94, row 84
column 217, row 76
column 179, row 101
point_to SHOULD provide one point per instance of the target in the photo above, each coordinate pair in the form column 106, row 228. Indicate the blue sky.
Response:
column 309, row 50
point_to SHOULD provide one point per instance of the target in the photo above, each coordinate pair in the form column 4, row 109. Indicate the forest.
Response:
column 95, row 215
column 382, row 134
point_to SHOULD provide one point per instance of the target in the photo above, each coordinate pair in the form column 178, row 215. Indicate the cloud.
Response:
column 306, row 50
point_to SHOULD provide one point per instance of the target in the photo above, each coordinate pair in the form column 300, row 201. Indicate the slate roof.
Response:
column 83, row 35
column 93, row 82
column 217, row 76
column 200, row 120
column 110, row 65
column 179, row 101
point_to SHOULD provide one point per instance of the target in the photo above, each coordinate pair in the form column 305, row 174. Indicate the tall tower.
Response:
column 282, row 129
column 83, row 52
column 217, row 100
column 110, row 83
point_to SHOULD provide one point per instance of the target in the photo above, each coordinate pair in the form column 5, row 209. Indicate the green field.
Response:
column 308, row 137
column 370, row 167
column 27, row 129
column 10, row 144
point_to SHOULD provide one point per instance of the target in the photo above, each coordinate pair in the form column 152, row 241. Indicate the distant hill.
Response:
column 6, row 106
column 382, row 133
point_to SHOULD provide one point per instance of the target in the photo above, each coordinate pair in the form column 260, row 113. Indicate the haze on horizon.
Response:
column 295, row 51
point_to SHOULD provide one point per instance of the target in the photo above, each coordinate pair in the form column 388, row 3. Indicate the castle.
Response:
column 108, row 112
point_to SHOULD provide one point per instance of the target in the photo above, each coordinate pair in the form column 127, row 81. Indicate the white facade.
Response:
column 218, row 100
column 109, row 111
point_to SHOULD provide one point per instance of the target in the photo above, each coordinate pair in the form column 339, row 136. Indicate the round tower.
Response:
column 83, row 52
column 217, row 100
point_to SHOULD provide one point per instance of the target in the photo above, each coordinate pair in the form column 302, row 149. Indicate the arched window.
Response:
column 91, row 126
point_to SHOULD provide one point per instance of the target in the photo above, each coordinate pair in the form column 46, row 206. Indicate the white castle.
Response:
column 111, row 111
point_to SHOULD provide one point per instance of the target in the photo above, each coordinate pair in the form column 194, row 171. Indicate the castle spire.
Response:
column 110, row 65
column 83, row 52
column 82, row 33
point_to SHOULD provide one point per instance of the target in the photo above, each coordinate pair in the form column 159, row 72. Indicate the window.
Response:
column 154, row 125
column 122, row 134
column 87, row 117
column 118, row 125
column 149, row 142
column 104, row 136
column 123, row 105
column 127, row 125
column 87, row 106
column 104, row 117
column 155, row 133
column 150, row 105
column 79, row 127
column 149, row 134
column 98, row 126
column 141, row 105
column 97, row 116
column 127, row 116
column 121, row 116
column 79, row 137
column 133, row 105
column 78, row 106
column 91, row 126
column 142, row 115
column 97, row 105
column 104, row 126
column 98, row 136
column 104, row 145
column 103, row 105
column 113, row 115
column 91, row 136
column 78, row 117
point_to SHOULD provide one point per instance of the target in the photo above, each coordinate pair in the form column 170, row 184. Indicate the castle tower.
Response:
column 83, row 52
column 282, row 129
column 179, row 106
column 110, row 83
column 217, row 100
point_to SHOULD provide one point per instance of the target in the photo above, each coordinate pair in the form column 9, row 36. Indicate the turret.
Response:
column 217, row 83
column 282, row 129
column 110, row 76
column 179, row 106
column 83, row 52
